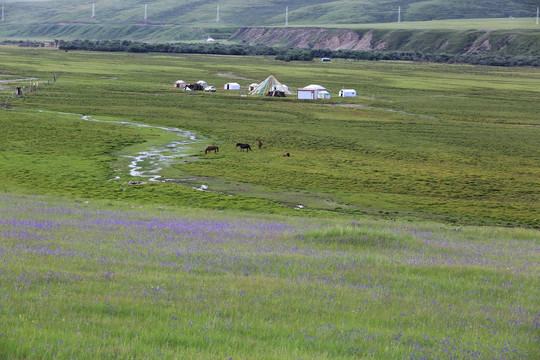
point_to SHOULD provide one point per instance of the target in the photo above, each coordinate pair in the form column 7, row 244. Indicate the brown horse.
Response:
column 210, row 148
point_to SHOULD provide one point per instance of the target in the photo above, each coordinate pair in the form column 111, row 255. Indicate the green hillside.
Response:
column 258, row 12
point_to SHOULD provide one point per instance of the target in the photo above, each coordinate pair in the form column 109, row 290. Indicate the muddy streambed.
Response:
column 150, row 163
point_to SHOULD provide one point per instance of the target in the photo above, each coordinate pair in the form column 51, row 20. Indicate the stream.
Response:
column 149, row 163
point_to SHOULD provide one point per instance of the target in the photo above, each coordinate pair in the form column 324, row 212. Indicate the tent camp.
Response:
column 180, row 84
column 347, row 93
column 271, row 87
column 231, row 86
column 312, row 92
column 194, row 87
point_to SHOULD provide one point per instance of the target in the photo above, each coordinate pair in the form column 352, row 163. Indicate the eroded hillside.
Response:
column 434, row 41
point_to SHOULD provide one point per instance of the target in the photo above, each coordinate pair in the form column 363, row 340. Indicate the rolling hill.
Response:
column 257, row 12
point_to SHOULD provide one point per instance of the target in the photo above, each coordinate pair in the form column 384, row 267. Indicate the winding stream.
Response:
column 149, row 163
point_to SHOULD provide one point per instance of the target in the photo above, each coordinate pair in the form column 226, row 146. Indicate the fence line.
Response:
column 24, row 90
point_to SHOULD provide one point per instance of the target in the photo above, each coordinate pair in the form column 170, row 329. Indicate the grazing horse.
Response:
column 243, row 146
column 210, row 148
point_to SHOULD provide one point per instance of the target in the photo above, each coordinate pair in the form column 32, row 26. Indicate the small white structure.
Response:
column 347, row 93
column 313, row 92
column 252, row 86
column 306, row 94
column 210, row 39
column 231, row 86
column 180, row 84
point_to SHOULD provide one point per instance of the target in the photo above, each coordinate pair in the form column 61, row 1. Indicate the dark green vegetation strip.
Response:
column 292, row 54
column 458, row 143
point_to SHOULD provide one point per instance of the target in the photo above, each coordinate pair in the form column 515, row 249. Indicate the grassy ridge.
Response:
column 259, row 12
column 452, row 142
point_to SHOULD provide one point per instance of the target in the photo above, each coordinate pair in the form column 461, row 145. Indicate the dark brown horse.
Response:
column 210, row 148
column 243, row 146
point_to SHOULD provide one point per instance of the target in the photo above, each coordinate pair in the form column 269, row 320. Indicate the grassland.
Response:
column 102, row 281
column 457, row 143
column 93, row 267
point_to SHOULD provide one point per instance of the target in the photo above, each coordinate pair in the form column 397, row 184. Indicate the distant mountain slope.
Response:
column 256, row 12
column 434, row 41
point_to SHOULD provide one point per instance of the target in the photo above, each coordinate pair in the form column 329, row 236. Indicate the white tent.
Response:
column 180, row 84
column 231, row 86
column 347, row 93
column 313, row 92
column 306, row 94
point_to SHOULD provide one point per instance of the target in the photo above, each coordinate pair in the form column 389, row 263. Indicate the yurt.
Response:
column 312, row 92
column 180, row 84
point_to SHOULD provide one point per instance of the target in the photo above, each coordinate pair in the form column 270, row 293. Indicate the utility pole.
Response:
column 537, row 14
column 399, row 14
column 93, row 10
column 217, row 14
column 286, row 16
column 3, row 14
column 145, row 12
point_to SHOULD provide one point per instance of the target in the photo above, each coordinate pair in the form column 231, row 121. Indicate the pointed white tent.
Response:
column 271, row 84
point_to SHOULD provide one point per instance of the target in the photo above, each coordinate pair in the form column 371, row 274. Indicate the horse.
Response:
column 243, row 146
column 210, row 148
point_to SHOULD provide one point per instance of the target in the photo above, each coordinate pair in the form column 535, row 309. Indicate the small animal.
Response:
column 243, row 146
column 210, row 148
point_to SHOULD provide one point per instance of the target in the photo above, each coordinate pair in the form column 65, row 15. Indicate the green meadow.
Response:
column 404, row 225
column 97, row 280
column 447, row 142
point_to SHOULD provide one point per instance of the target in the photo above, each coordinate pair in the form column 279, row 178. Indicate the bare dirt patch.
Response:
column 231, row 76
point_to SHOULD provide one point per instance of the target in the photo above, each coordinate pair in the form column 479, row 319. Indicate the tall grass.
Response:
column 93, row 281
